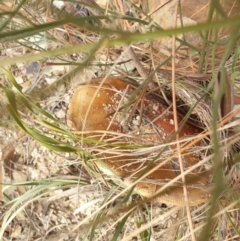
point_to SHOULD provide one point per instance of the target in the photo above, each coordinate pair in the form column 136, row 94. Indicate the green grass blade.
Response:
column 119, row 227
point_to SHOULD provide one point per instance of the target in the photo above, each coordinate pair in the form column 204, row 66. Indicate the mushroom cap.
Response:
column 112, row 112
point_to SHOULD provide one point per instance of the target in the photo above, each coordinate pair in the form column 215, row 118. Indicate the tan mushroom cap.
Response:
column 103, row 111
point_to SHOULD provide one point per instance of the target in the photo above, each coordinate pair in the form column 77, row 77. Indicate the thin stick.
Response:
column 136, row 62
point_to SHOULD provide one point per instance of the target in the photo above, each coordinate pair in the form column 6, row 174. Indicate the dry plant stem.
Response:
column 140, row 69
column 136, row 62
column 130, row 52
column 143, row 73
column 156, row 9
column 185, row 192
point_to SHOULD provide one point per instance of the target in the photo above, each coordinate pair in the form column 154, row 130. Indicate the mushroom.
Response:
column 136, row 133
